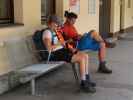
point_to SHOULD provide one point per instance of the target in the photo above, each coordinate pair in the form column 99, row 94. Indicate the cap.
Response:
column 56, row 19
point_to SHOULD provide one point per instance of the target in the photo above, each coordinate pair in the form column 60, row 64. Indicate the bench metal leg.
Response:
column 75, row 72
column 33, row 90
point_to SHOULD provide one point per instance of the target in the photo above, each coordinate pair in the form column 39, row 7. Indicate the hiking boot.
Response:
column 103, row 68
column 110, row 45
column 93, row 84
column 84, row 86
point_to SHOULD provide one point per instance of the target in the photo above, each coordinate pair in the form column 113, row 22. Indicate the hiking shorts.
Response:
column 61, row 55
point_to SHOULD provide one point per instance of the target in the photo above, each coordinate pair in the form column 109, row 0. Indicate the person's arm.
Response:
column 77, row 35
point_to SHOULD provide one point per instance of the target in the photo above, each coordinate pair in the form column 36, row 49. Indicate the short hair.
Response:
column 70, row 15
column 54, row 18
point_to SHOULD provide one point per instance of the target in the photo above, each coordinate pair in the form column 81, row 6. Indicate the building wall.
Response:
column 85, row 21
column 32, row 12
column 115, row 16
column 127, row 15
column 30, row 18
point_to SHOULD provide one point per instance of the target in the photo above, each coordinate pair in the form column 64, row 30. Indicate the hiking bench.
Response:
column 31, row 72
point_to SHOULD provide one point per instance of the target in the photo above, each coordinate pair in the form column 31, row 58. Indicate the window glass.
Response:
column 47, row 8
column 6, row 11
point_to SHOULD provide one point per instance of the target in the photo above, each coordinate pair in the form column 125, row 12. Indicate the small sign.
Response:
column 74, row 6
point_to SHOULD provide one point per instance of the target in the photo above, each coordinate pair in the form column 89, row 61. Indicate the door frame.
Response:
column 101, row 18
column 122, row 2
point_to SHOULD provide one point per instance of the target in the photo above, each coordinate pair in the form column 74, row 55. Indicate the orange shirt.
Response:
column 70, row 31
column 61, row 39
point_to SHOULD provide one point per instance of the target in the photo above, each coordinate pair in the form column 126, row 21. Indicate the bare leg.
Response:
column 102, row 64
column 102, row 52
column 81, row 60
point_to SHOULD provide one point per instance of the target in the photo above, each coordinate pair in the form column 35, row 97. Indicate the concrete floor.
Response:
column 60, row 84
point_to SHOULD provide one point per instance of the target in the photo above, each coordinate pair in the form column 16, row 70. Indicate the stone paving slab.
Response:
column 102, row 94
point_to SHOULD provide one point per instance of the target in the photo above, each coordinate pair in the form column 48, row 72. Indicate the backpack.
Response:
column 37, row 39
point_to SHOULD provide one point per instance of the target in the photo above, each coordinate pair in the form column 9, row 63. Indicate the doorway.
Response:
column 121, row 16
column 104, row 17
column 48, row 7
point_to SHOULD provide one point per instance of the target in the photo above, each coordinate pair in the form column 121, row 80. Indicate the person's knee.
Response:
column 82, row 57
column 86, row 55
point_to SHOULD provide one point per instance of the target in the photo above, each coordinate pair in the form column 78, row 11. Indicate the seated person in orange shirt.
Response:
column 90, row 40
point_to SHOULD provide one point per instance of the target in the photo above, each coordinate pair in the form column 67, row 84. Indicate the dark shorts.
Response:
column 61, row 55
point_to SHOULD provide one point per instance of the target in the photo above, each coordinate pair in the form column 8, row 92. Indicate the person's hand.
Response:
column 53, row 47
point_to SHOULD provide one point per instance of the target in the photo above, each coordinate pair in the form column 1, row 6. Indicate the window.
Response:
column 92, row 7
column 6, row 11
column 47, row 8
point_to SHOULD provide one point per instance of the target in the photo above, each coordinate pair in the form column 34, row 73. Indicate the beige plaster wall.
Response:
column 115, row 16
column 12, row 45
column 85, row 21
column 32, row 12
column 127, row 15
column 27, row 12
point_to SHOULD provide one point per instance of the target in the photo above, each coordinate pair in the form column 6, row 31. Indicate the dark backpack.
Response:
column 37, row 39
column 40, row 46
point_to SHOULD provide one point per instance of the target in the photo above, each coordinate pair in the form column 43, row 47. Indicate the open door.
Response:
column 104, row 17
